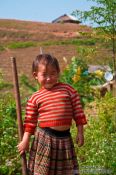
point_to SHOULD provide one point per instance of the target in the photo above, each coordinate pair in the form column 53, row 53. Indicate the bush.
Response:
column 9, row 157
column 77, row 75
column 97, row 156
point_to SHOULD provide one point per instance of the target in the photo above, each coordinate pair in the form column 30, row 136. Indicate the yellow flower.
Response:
column 78, row 71
column 99, row 73
column 76, row 78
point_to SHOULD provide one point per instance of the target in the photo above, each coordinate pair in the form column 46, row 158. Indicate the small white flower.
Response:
column 8, row 163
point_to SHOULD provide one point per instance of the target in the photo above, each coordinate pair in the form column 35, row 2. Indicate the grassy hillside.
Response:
column 11, row 30
column 23, row 40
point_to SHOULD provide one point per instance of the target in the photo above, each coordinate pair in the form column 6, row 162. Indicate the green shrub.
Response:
column 9, row 157
column 97, row 156
column 77, row 75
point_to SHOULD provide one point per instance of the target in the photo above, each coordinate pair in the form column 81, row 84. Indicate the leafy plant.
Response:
column 77, row 75
column 9, row 158
column 97, row 156
column 103, row 14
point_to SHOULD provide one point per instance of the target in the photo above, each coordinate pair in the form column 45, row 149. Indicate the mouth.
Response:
column 48, row 85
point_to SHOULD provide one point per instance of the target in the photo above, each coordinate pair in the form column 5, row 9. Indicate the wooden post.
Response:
column 18, row 110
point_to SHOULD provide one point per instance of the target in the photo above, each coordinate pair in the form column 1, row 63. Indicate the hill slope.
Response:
column 61, row 40
column 11, row 30
column 21, row 31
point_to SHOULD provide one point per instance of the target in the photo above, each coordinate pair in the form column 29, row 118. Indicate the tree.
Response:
column 103, row 14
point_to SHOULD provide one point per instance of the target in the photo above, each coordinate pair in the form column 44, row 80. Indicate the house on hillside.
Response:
column 66, row 19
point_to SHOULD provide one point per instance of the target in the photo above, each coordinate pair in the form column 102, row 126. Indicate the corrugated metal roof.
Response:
column 72, row 17
column 66, row 18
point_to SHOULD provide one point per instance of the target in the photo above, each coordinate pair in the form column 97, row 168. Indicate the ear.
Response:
column 35, row 75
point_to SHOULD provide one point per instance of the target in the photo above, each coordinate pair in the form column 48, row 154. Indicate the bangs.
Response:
column 46, row 60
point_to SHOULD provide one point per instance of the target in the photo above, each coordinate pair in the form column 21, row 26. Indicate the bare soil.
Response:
column 24, row 58
column 14, row 31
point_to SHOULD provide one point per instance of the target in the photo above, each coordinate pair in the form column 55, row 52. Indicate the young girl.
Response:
column 49, row 115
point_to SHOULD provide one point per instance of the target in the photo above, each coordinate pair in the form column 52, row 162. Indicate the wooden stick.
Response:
column 18, row 110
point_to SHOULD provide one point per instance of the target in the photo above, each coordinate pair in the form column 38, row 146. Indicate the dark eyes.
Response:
column 49, row 75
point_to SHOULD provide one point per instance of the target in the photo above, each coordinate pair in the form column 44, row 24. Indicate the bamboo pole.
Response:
column 18, row 110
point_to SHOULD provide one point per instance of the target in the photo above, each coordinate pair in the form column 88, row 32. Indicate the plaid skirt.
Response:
column 52, row 153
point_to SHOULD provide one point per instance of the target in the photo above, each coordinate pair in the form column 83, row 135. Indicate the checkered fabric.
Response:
column 52, row 155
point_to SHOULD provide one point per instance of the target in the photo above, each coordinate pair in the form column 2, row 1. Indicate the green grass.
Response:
column 16, row 45
column 2, row 48
column 71, row 42
column 77, row 42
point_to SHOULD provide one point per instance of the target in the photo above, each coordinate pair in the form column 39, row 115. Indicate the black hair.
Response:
column 46, row 59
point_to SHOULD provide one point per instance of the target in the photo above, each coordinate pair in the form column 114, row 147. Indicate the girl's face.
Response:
column 46, row 76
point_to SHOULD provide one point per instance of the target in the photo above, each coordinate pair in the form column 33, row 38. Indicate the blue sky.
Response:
column 40, row 10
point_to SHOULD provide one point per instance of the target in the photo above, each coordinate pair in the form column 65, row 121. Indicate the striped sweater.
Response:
column 54, row 107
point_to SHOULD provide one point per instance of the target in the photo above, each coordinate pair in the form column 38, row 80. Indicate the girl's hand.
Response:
column 23, row 146
column 80, row 139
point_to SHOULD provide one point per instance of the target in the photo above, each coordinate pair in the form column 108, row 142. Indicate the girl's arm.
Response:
column 80, row 135
column 24, row 144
